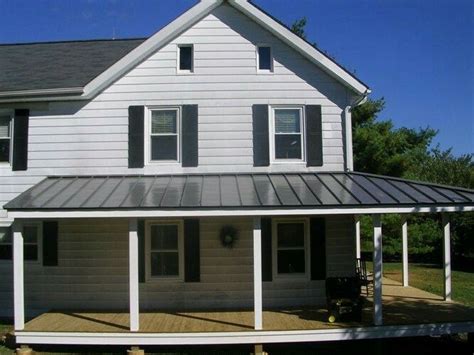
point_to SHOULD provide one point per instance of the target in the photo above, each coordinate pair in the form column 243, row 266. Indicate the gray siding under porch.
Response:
column 93, row 271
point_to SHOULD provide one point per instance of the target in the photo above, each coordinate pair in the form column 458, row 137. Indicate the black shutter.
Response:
column 318, row 248
column 192, row 262
column 267, row 274
column 261, row 149
column 314, row 135
column 189, row 141
column 50, row 243
column 136, row 137
column 141, row 250
column 20, row 140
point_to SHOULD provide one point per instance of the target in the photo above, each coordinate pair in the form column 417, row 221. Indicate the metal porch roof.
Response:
column 235, row 191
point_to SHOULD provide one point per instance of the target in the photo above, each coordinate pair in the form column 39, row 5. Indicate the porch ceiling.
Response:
column 236, row 191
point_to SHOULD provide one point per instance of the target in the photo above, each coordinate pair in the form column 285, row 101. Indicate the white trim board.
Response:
column 250, row 337
column 144, row 213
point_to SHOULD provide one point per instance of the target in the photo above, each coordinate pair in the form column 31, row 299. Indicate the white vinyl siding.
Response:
column 91, row 138
column 92, row 272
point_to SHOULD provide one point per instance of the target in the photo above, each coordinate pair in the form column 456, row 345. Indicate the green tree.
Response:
column 299, row 27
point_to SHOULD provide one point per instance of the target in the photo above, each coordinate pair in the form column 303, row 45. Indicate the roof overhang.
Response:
column 227, row 195
column 174, row 29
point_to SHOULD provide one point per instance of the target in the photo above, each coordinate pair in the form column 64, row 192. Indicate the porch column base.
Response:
column 24, row 350
column 258, row 350
column 134, row 350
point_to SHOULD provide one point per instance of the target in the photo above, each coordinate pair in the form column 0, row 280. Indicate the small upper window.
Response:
column 291, row 255
column 164, row 137
column 5, row 138
column 288, row 134
column 265, row 60
column 186, row 58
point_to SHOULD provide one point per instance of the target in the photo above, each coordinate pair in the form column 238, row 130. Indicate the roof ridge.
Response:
column 75, row 41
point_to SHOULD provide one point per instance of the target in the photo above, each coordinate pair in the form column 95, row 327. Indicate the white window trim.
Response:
column 272, row 133
column 10, row 158
column 147, row 149
column 181, row 71
column 306, row 276
column 149, row 277
column 272, row 60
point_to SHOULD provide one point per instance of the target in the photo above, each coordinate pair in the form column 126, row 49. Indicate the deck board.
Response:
column 401, row 305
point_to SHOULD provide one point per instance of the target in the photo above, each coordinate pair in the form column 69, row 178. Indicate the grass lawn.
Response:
column 430, row 278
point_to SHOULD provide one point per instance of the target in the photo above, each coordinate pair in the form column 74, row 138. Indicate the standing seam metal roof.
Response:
column 292, row 190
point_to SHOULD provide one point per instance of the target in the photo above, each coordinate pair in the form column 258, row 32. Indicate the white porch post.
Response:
column 357, row 236
column 377, row 261
column 133, row 275
column 447, row 256
column 18, row 276
column 405, row 250
column 257, row 273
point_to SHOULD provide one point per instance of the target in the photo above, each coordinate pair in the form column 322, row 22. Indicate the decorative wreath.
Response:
column 228, row 236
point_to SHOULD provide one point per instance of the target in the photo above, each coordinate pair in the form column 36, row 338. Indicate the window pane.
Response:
column 163, row 121
column 290, row 235
column 186, row 58
column 5, row 236
column 164, row 237
column 164, row 148
column 287, row 121
column 264, row 58
column 164, row 264
column 6, row 252
column 31, row 252
column 291, row 261
column 4, row 150
column 4, row 126
column 288, row 146
column 30, row 234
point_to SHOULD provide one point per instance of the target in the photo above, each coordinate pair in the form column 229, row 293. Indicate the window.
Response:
column 165, row 255
column 6, row 244
column 31, row 237
column 288, row 134
column 265, row 60
column 291, row 248
column 5, row 138
column 164, row 137
column 30, row 240
column 186, row 58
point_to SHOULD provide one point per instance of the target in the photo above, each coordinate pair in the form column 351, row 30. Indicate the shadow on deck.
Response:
column 401, row 306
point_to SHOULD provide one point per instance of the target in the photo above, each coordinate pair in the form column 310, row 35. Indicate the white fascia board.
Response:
column 300, row 45
column 232, row 212
column 155, row 42
column 59, row 91
column 250, row 337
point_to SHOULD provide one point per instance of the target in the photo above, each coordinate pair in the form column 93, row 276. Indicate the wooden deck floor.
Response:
column 400, row 306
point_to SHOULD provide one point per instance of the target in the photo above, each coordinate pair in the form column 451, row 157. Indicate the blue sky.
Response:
column 418, row 54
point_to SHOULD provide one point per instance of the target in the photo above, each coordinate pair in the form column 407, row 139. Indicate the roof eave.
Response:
column 39, row 94
column 300, row 45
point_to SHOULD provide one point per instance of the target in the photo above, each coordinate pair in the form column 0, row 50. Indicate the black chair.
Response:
column 344, row 301
column 365, row 279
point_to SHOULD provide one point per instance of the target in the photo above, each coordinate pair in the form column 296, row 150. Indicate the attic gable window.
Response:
column 186, row 58
column 265, row 59
column 5, row 138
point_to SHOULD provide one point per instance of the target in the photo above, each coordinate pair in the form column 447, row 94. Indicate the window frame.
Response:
column 11, row 126
column 148, row 135
column 175, row 278
column 178, row 59
column 306, row 276
column 272, row 61
column 273, row 134
column 39, row 243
